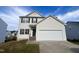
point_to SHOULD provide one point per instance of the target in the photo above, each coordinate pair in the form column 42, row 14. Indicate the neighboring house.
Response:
column 8, row 33
column 11, row 33
column 72, row 30
column 3, row 29
column 35, row 26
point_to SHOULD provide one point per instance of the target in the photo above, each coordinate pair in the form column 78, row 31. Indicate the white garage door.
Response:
column 50, row 35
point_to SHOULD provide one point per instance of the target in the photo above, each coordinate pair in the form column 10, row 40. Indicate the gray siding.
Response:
column 3, row 27
column 72, row 30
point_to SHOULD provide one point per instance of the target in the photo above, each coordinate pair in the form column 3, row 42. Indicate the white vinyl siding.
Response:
column 24, row 23
column 50, row 29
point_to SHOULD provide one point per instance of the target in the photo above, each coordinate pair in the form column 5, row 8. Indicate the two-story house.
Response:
column 27, row 25
column 36, row 27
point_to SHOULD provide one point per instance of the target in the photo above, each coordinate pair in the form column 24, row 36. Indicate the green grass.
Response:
column 19, row 47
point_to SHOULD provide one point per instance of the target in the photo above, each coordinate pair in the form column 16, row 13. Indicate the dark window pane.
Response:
column 27, row 20
column 22, row 20
column 26, row 31
column 34, row 20
column 21, row 31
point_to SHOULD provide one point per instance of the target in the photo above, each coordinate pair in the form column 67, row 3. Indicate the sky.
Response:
column 10, row 14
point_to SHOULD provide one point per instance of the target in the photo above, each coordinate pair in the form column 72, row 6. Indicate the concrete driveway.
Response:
column 58, row 47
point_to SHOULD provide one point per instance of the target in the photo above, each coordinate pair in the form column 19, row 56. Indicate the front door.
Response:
column 34, row 32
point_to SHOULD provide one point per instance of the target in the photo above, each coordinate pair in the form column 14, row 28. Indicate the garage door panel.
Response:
column 50, row 35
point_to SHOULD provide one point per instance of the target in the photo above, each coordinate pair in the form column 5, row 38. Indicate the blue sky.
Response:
column 10, row 14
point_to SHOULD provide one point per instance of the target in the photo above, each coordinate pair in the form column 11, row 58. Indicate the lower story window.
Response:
column 21, row 31
column 26, row 31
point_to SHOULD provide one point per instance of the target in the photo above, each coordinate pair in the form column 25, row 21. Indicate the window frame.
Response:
column 22, row 20
column 26, row 31
column 34, row 20
column 21, row 31
column 27, row 20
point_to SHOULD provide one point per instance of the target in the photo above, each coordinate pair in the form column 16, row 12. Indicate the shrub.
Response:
column 11, row 38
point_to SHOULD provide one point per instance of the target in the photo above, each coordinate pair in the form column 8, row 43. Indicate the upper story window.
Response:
column 27, row 20
column 34, row 20
column 22, row 20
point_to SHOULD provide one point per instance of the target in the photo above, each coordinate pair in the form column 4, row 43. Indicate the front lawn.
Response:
column 18, row 47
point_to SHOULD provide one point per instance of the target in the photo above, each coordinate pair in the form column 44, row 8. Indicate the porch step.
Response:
column 32, row 38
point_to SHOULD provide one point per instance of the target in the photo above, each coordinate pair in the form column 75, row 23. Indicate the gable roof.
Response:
column 53, row 18
column 32, row 14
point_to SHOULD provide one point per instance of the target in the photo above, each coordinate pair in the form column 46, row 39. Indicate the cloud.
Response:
column 57, row 10
column 70, row 16
column 20, row 11
column 12, row 19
